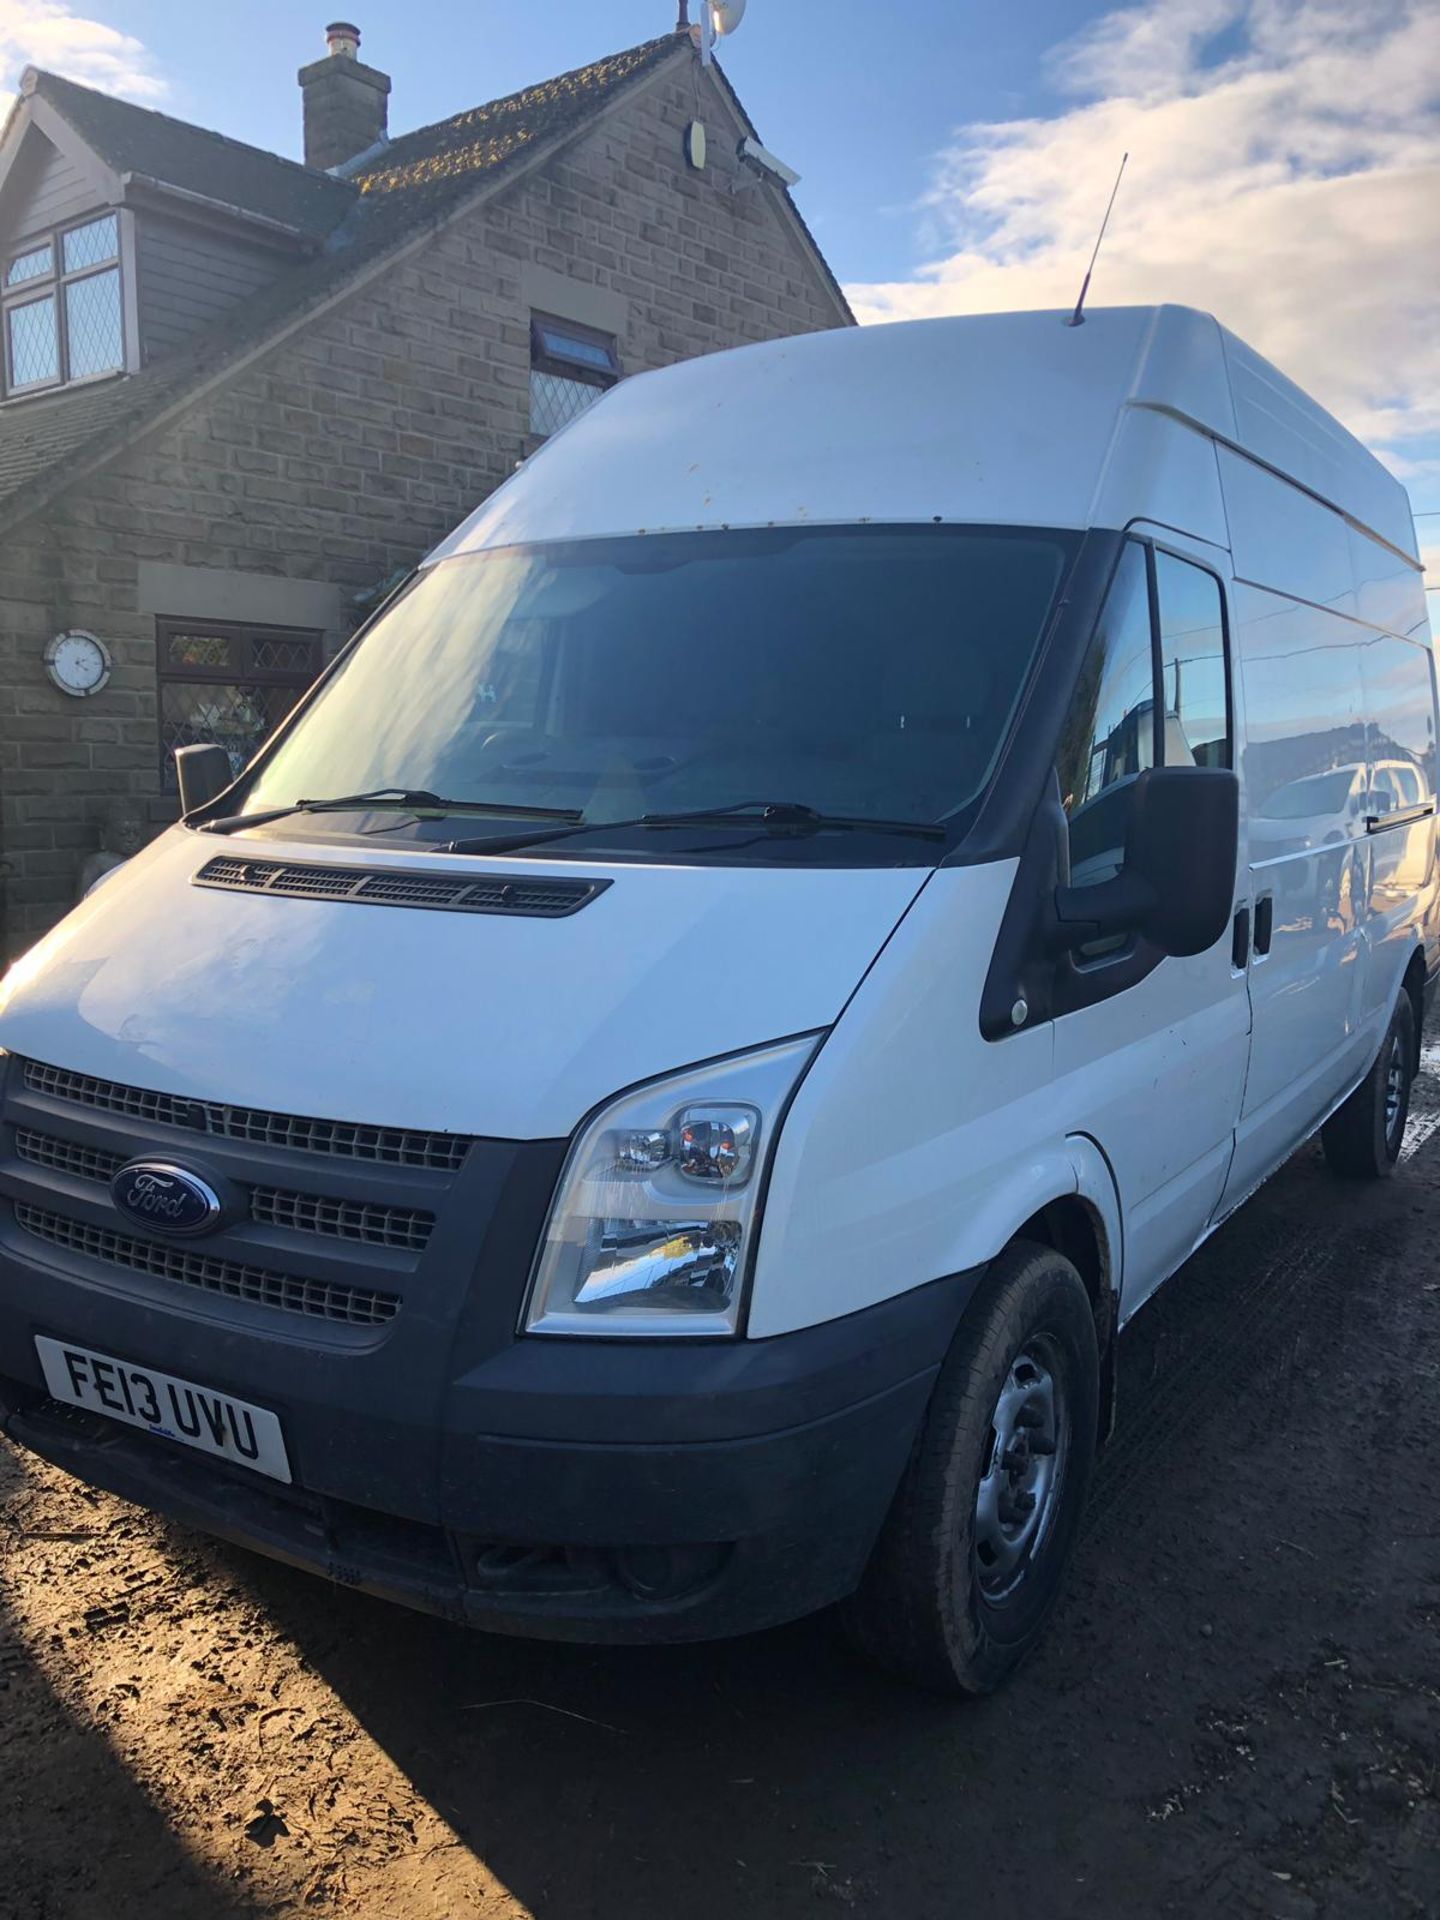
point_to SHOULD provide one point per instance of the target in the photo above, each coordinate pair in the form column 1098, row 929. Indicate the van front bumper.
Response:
column 588, row 1490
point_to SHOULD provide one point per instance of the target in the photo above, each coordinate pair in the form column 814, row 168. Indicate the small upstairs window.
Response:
column 570, row 367
column 63, row 314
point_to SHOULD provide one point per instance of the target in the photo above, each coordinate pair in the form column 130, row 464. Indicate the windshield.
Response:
column 866, row 672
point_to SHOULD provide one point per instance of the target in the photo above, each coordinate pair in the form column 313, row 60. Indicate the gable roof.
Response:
column 393, row 199
column 132, row 139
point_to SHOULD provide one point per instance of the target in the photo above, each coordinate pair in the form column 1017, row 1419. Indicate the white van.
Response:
column 643, row 1112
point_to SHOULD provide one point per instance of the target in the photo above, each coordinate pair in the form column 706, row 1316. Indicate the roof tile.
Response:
column 135, row 139
column 486, row 137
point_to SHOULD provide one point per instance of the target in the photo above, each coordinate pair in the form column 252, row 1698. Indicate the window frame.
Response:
column 55, row 285
column 544, row 359
column 168, row 626
column 1150, row 547
column 1085, row 977
column 1102, row 607
column 1227, row 652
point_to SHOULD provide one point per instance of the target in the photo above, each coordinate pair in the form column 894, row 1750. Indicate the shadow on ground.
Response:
column 80, row 1839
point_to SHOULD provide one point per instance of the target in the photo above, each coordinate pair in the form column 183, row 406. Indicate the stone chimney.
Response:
column 346, row 103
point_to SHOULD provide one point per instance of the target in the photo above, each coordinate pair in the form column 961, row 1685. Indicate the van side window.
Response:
column 1192, row 665
column 1307, row 737
column 1400, row 696
column 1109, row 735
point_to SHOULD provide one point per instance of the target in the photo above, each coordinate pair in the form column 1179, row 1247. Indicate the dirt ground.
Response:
column 1237, row 1711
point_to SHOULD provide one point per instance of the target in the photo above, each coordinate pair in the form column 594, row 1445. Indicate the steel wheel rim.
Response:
column 1020, row 1478
column 1394, row 1087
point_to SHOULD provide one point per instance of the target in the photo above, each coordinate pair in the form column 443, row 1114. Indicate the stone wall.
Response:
column 345, row 452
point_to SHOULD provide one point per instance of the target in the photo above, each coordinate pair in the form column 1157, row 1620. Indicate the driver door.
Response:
column 1153, row 1050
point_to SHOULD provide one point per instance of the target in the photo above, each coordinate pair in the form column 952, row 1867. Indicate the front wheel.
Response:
column 1362, row 1138
column 972, row 1554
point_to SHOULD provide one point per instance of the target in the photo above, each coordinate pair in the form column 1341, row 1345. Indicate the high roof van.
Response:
column 645, row 1109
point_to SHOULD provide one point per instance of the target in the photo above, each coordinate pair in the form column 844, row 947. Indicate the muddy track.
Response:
column 1235, row 1342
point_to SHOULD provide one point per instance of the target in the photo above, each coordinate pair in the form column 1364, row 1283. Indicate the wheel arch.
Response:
column 1072, row 1226
column 1084, row 1224
column 1413, row 983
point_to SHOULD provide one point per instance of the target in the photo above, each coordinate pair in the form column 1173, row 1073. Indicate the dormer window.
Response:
column 62, row 308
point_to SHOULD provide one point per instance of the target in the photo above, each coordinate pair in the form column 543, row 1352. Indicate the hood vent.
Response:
column 403, row 887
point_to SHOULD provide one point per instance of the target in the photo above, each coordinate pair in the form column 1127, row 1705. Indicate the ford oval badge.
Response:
column 165, row 1198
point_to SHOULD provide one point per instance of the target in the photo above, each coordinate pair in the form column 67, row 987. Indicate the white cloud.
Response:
column 1284, row 173
column 46, row 33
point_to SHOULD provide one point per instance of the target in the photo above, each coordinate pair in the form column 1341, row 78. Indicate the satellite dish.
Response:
column 717, row 19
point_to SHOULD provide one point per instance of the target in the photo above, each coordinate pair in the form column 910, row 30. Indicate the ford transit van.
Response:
column 646, row 1108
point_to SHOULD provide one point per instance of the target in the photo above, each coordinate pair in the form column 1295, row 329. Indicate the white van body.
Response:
column 928, row 1076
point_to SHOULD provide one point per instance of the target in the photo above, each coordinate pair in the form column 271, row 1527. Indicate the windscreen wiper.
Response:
column 402, row 799
column 780, row 814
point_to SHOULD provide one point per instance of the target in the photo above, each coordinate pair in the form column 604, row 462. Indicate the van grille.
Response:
column 407, row 1228
column 390, row 887
column 66, row 1156
column 320, row 1299
column 346, row 1139
column 377, row 1226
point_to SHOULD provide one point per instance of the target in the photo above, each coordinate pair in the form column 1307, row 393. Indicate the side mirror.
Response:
column 1177, row 885
column 203, row 773
column 1379, row 801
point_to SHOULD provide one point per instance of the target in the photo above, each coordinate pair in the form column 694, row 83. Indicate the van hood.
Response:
column 489, row 1024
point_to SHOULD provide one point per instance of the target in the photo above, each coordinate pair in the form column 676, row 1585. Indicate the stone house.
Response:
column 240, row 396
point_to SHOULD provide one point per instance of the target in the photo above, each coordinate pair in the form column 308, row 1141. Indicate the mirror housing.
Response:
column 1176, row 888
column 204, row 773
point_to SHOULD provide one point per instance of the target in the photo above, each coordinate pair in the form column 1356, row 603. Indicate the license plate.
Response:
column 179, row 1410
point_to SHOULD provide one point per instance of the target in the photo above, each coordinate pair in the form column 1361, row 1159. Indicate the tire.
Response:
column 1362, row 1138
column 955, row 1595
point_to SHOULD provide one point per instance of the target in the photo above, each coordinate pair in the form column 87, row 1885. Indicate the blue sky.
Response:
column 956, row 154
column 859, row 108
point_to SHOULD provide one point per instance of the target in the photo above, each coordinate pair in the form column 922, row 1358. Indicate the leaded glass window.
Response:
column 91, row 245
column 570, row 368
column 63, row 309
column 33, row 342
column 92, row 323
column 228, row 685
column 37, row 264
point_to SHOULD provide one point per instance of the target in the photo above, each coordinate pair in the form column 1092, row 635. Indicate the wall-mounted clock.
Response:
column 78, row 663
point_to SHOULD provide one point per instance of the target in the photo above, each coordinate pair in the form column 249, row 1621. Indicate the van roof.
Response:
column 1002, row 418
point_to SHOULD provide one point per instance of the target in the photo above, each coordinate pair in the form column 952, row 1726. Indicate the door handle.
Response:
column 1240, row 939
column 1264, row 922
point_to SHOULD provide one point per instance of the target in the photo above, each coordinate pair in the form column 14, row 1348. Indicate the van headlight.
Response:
column 653, row 1226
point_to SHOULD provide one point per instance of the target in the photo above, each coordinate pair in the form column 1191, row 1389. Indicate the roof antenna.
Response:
column 1077, row 318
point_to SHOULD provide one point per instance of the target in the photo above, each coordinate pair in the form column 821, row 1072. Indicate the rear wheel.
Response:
column 1362, row 1138
column 972, row 1554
